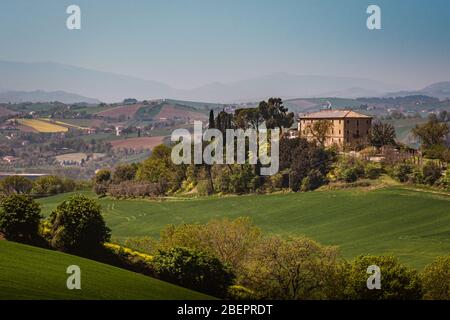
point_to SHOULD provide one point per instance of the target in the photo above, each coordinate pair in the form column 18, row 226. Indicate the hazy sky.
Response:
column 187, row 43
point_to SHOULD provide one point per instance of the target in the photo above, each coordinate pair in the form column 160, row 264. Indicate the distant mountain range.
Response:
column 43, row 96
column 439, row 90
column 78, row 83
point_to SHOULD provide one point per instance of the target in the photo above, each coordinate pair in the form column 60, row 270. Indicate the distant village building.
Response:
column 349, row 128
column 90, row 131
column 10, row 159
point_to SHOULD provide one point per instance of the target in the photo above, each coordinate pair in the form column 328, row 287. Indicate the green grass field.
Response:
column 33, row 273
column 414, row 225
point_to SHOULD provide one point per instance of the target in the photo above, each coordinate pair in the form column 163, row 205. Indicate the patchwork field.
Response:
column 42, row 126
column 33, row 273
column 125, row 111
column 77, row 157
column 137, row 143
column 414, row 225
column 62, row 123
column 83, row 123
column 174, row 112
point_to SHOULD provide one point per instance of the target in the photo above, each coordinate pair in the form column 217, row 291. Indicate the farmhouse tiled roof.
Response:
column 334, row 114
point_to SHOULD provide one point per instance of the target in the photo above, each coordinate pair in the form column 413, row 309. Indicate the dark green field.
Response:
column 414, row 225
column 33, row 273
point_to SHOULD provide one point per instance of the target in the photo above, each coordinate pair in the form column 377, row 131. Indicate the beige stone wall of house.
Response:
column 335, row 134
column 349, row 128
column 357, row 131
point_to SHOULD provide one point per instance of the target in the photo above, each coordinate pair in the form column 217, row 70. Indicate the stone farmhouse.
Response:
column 348, row 129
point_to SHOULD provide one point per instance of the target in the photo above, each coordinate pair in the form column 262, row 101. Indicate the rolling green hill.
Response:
column 412, row 224
column 32, row 273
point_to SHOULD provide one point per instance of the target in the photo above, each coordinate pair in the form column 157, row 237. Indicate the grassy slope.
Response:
column 414, row 225
column 33, row 273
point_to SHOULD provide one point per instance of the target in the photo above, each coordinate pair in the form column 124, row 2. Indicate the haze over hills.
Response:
column 43, row 96
column 110, row 87
column 439, row 90
column 49, row 76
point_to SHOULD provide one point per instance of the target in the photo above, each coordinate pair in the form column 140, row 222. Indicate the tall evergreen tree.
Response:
column 211, row 119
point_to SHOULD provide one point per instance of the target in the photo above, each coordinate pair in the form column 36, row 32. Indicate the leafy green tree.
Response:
column 294, row 269
column 223, row 122
column 431, row 133
column 436, row 279
column 248, row 118
column 19, row 217
column 382, row 134
column 124, row 172
column 49, row 185
column 102, row 180
column 103, row 176
column 306, row 157
column 228, row 240
column 440, row 152
column 78, row 225
column 398, row 282
column 193, row 269
column 159, row 168
column 320, row 130
column 275, row 114
column 16, row 184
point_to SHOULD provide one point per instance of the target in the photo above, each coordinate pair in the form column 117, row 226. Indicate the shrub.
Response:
column 436, row 279
column 100, row 189
column 416, row 176
column 397, row 281
column 431, row 173
column 276, row 181
column 222, row 181
column 373, row 171
column 295, row 181
column 312, row 181
column 193, row 269
column 78, row 226
column 402, row 171
column 141, row 244
column 241, row 179
column 445, row 179
column 349, row 169
column 19, row 218
column 237, row 292
column 16, row 184
column 134, row 189
column 204, row 187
